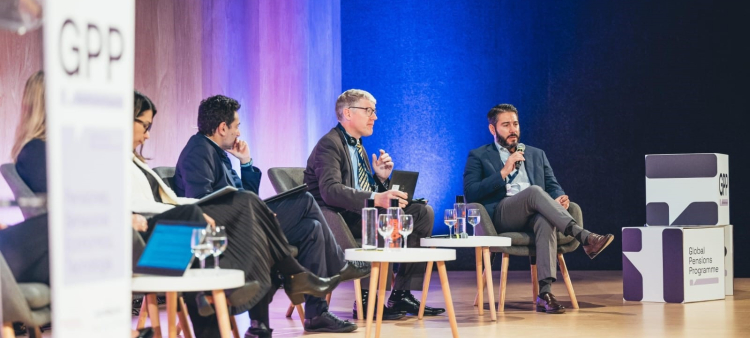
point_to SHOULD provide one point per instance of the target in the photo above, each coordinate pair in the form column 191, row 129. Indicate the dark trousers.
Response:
column 25, row 247
column 534, row 210
column 304, row 227
column 409, row 275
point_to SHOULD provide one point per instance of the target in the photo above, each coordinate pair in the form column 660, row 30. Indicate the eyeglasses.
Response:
column 145, row 125
column 368, row 111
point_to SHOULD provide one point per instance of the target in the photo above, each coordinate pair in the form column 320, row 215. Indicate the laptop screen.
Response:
column 168, row 250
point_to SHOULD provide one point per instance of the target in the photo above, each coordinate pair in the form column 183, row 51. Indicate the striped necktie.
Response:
column 363, row 175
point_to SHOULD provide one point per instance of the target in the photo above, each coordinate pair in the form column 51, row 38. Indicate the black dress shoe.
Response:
column 388, row 313
column 596, row 244
column 329, row 322
column 546, row 302
column 306, row 283
column 261, row 331
column 145, row 333
column 354, row 270
column 404, row 301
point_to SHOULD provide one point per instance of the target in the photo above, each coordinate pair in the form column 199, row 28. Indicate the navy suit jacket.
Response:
column 484, row 184
column 203, row 167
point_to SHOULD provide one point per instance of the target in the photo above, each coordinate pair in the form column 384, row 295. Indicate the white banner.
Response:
column 88, row 62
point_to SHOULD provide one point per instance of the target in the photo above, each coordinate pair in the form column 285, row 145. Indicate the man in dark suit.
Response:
column 204, row 167
column 340, row 177
column 520, row 193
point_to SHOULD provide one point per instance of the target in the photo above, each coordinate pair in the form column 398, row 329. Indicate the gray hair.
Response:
column 350, row 97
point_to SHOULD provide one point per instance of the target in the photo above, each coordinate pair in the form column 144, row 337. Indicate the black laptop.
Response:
column 405, row 181
column 168, row 251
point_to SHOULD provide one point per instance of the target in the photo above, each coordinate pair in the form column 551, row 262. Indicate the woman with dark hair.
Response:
column 257, row 245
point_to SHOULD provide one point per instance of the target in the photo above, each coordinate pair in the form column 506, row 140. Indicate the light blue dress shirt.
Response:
column 522, row 177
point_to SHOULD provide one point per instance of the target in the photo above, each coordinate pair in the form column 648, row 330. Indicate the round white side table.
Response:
column 216, row 280
column 381, row 258
column 481, row 245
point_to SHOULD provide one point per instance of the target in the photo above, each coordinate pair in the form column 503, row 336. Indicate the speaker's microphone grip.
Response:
column 520, row 147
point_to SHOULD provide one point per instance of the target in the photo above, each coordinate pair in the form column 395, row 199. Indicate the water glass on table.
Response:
column 407, row 226
column 201, row 248
column 385, row 229
column 472, row 216
column 217, row 237
column 450, row 220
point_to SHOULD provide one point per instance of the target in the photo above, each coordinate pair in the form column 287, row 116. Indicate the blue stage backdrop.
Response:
column 598, row 84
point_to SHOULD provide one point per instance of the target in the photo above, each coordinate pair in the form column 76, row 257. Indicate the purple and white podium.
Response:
column 686, row 252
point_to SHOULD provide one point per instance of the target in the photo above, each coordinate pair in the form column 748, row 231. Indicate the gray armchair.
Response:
column 285, row 178
column 20, row 190
column 166, row 174
column 522, row 244
column 28, row 303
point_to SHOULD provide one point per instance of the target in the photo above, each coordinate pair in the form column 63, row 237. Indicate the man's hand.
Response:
column 510, row 164
column 241, row 151
column 383, row 199
column 382, row 166
column 139, row 223
column 210, row 221
column 564, row 201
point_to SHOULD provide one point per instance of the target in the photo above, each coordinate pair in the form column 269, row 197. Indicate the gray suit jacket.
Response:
column 329, row 175
column 484, row 184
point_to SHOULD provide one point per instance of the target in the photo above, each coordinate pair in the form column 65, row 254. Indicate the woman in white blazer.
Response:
column 256, row 243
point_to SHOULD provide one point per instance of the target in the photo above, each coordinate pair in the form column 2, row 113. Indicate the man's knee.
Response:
column 424, row 218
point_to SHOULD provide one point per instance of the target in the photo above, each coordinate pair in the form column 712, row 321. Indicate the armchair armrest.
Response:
column 485, row 227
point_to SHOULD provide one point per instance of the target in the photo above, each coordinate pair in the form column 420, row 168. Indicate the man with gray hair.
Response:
column 341, row 178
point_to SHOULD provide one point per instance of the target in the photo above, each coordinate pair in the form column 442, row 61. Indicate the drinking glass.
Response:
column 450, row 220
column 472, row 216
column 407, row 226
column 218, row 240
column 385, row 228
column 201, row 248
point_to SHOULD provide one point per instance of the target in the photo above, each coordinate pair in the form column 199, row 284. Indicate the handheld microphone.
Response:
column 520, row 147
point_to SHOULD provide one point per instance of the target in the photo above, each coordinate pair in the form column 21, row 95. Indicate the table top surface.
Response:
column 469, row 242
column 410, row 255
column 193, row 280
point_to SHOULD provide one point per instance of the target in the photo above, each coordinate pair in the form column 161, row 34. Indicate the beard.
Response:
column 503, row 141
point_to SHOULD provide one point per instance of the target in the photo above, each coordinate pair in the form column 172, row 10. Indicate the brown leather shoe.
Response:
column 546, row 302
column 596, row 244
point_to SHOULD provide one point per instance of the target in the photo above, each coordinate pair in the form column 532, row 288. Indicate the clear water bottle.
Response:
column 369, row 225
column 460, row 207
column 395, row 212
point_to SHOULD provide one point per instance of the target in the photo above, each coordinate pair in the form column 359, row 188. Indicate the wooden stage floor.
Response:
column 602, row 312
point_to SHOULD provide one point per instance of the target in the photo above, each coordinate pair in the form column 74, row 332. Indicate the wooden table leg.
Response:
column 8, row 330
column 290, row 310
column 143, row 314
column 222, row 314
column 491, row 291
column 425, row 288
column 235, row 329
column 301, row 313
column 172, row 314
column 534, row 284
column 183, row 315
column 503, row 282
column 384, row 272
column 371, row 297
column 566, row 278
column 358, row 298
column 484, row 285
column 448, row 298
column 153, row 314
column 480, row 287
